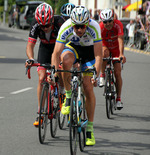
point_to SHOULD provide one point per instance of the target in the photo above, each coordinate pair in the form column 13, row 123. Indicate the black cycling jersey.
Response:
column 46, row 45
column 36, row 31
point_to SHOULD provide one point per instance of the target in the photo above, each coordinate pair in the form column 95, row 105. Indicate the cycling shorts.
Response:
column 86, row 53
column 44, row 54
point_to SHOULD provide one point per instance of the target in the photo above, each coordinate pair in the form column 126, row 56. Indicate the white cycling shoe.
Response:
column 101, row 81
column 119, row 105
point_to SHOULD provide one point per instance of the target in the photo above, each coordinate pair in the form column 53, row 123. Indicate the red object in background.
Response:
column 125, row 7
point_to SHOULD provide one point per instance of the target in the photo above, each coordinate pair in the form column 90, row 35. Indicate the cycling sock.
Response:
column 118, row 99
column 68, row 93
column 89, row 127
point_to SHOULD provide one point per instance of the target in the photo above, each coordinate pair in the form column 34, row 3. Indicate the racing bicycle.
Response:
column 109, row 87
column 78, row 117
column 50, row 104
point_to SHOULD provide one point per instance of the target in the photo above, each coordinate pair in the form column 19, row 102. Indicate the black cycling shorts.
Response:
column 45, row 53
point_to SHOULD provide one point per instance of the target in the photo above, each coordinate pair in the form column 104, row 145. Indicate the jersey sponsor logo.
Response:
column 75, row 39
column 91, row 32
column 33, row 29
column 66, row 33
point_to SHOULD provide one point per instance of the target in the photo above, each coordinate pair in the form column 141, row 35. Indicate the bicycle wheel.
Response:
column 108, row 97
column 73, row 129
column 61, row 118
column 113, row 100
column 54, row 107
column 81, row 130
column 43, row 115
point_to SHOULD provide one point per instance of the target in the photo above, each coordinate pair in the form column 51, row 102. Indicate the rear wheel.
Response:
column 73, row 129
column 43, row 115
column 61, row 118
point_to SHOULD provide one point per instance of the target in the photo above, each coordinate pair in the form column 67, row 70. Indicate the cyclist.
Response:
column 112, row 38
column 45, row 26
column 66, row 10
column 84, row 38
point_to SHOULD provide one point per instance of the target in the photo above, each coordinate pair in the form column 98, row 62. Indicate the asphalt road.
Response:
column 126, row 133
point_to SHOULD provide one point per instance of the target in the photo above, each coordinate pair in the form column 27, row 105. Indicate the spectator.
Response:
column 96, row 15
column 15, row 16
column 131, row 32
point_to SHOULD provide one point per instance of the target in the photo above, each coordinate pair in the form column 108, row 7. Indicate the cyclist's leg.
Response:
column 90, row 108
column 106, row 53
column 117, row 73
column 67, row 58
column 90, row 100
column 41, row 74
column 44, row 56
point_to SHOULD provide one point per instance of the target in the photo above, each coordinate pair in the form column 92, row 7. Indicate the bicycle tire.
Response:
column 43, row 115
column 113, row 100
column 83, row 117
column 73, row 129
column 107, row 96
column 61, row 117
column 54, row 106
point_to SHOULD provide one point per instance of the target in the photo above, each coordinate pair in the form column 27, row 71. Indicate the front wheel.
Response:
column 43, row 115
column 54, row 107
column 108, row 96
column 81, row 130
column 73, row 129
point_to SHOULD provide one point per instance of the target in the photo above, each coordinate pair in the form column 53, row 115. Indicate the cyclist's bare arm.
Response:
column 98, row 61
column 121, row 47
column 98, row 56
column 30, row 53
column 56, row 54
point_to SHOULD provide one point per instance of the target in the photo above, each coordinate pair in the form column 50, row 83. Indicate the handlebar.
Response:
column 47, row 66
column 115, row 59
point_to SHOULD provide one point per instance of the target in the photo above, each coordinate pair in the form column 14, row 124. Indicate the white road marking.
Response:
column 2, row 57
column 2, row 97
column 22, row 90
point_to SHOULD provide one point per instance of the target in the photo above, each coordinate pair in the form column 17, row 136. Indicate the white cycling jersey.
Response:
column 91, row 35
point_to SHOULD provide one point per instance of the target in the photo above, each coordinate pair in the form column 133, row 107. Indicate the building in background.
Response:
column 117, row 5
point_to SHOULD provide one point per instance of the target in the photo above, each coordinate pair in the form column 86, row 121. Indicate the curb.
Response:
column 137, row 51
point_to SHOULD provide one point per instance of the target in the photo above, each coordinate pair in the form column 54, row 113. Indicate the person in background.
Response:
column 45, row 27
column 96, row 16
column 131, row 32
column 66, row 10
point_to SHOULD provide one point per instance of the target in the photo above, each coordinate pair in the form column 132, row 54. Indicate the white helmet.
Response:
column 80, row 15
column 107, row 14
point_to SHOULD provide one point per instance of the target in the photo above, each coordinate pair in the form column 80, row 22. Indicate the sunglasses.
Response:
column 107, row 21
column 79, row 26
column 46, row 26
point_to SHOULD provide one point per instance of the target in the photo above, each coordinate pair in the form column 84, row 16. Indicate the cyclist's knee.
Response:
column 106, row 52
column 67, row 58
